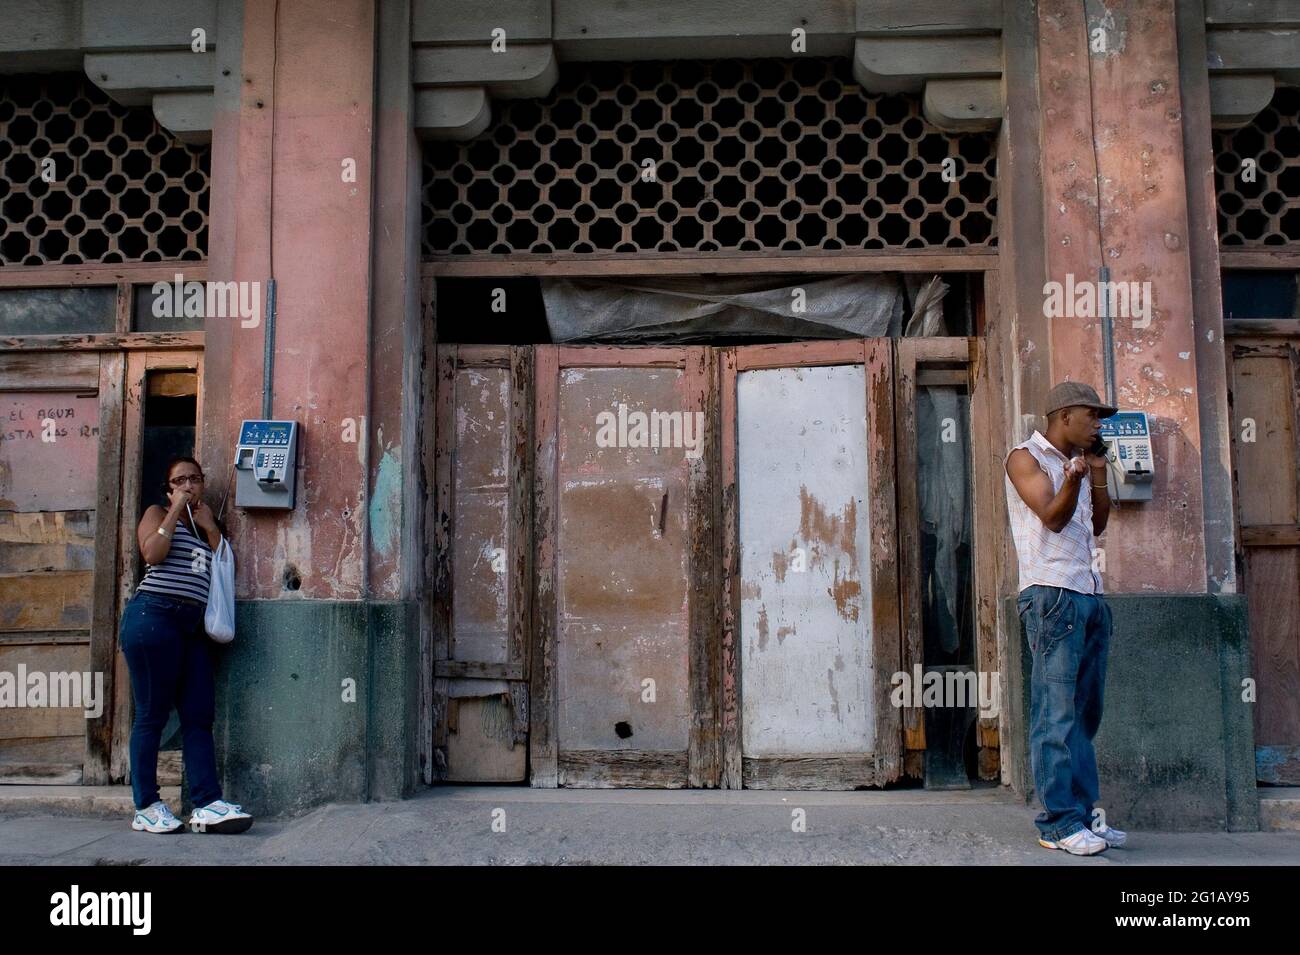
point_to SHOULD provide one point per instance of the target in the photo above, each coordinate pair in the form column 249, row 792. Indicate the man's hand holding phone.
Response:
column 1076, row 469
column 1096, row 455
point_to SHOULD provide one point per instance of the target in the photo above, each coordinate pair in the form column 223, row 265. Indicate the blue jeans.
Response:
column 1069, row 637
column 166, row 650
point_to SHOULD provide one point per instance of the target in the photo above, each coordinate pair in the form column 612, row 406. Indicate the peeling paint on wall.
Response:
column 386, row 502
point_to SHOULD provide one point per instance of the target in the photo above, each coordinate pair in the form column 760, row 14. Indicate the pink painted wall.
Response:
column 306, row 105
column 1114, row 118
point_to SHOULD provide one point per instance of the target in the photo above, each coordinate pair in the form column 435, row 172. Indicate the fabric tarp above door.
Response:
column 686, row 309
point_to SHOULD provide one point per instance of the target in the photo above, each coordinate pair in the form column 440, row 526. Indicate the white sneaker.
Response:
column 1081, row 843
column 220, row 816
column 157, row 818
column 1113, row 837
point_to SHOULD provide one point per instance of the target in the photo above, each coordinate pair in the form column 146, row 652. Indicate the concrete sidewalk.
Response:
column 454, row 825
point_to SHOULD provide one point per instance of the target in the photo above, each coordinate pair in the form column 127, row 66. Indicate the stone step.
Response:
column 1279, row 808
column 76, row 800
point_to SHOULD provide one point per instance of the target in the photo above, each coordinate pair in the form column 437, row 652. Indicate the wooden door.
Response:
column 623, row 677
column 483, row 579
column 52, row 537
column 810, row 630
column 1265, row 403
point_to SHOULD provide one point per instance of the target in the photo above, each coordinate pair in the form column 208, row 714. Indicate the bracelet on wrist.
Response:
column 164, row 532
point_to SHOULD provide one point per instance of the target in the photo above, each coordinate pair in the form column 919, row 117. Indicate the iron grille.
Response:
column 123, row 189
column 1267, row 210
column 766, row 155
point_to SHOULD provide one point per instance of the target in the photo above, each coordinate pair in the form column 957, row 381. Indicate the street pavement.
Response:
column 500, row 825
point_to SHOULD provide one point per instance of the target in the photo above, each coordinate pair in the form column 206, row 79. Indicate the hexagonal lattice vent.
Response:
column 123, row 190
column 1266, row 211
column 770, row 155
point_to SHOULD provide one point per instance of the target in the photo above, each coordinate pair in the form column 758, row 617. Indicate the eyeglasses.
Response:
column 186, row 479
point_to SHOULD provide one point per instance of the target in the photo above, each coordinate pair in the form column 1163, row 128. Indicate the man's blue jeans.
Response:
column 167, row 654
column 1069, row 637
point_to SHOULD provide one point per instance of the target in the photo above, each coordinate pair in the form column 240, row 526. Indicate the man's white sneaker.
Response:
column 1081, row 843
column 1112, row 836
column 220, row 816
column 156, row 818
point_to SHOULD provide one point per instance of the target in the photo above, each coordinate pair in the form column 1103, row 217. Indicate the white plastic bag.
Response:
column 219, row 620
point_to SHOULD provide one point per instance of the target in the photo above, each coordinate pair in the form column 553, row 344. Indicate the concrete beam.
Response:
column 187, row 116
column 155, row 24
column 126, row 77
column 133, row 78
column 1245, row 13
column 454, row 21
column 1239, row 51
column 522, row 71
column 903, row 64
column 928, row 17
column 39, row 36
column 34, row 26
column 688, row 29
column 451, row 112
column 963, row 106
column 1237, row 98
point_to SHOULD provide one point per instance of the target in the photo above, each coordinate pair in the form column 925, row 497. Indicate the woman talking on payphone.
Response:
column 168, row 655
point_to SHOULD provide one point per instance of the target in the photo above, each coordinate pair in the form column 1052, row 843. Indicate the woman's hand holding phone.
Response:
column 180, row 497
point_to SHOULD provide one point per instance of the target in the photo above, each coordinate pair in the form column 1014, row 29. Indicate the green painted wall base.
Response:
column 1175, row 750
column 1176, row 745
column 288, row 735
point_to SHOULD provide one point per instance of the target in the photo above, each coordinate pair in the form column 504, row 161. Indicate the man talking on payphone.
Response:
column 1058, row 502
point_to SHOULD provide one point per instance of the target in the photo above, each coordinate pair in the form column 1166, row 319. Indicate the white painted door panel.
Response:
column 805, row 616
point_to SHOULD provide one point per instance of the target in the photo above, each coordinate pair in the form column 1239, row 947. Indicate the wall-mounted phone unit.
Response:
column 266, row 464
column 1131, row 462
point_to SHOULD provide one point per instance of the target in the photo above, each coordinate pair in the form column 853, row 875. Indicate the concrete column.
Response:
column 304, row 109
column 1115, row 194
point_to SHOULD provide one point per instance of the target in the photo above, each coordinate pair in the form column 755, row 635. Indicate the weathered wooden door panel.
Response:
column 805, row 670
column 482, row 591
column 810, row 634
column 49, row 448
column 622, row 698
column 1265, row 375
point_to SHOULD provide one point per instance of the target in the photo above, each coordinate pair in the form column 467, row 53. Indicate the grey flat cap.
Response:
column 1068, row 394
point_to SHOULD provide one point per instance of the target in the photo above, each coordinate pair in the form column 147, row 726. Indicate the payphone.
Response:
column 265, row 464
column 1131, row 463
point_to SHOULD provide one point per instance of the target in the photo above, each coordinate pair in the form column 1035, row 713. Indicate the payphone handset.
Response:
column 1132, row 463
column 265, row 464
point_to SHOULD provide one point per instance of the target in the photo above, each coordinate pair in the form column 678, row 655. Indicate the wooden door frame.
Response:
column 796, row 771
column 549, row 767
column 125, row 559
column 945, row 361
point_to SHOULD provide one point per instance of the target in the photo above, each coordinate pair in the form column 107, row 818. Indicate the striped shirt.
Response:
column 184, row 572
column 1046, row 557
